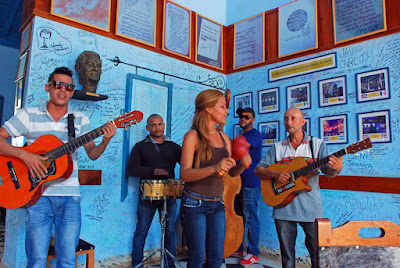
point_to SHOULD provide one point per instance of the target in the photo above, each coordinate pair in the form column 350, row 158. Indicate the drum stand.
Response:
column 162, row 250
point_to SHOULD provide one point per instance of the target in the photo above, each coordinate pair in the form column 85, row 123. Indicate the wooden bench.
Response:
column 82, row 248
column 344, row 247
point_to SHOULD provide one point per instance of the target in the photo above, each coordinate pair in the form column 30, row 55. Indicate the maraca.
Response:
column 239, row 150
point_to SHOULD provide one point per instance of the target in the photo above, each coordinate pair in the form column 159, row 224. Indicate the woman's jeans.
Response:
column 65, row 213
column 204, row 228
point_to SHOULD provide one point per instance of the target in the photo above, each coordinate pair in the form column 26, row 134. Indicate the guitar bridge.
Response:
column 13, row 175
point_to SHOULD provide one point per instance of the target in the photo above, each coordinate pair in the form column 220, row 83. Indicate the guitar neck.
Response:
column 72, row 145
column 317, row 164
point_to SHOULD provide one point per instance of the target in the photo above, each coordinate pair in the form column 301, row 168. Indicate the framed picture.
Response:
column 25, row 38
column 298, row 27
column 177, row 29
column 349, row 24
column 94, row 13
column 333, row 129
column 237, row 130
column 209, row 40
column 137, row 20
column 373, row 85
column 242, row 101
column 332, row 91
column 23, row 61
column 268, row 100
column 298, row 96
column 248, row 42
column 306, row 126
column 374, row 125
column 269, row 132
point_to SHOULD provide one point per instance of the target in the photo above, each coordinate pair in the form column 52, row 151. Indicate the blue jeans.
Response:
column 145, row 215
column 249, row 202
column 204, row 229
column 65, row 213
column 287, row 233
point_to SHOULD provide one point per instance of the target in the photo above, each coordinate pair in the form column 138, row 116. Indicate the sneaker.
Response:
column 249, row 259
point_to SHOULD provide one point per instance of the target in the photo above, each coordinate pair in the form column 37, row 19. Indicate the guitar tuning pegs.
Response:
column 367, row 151
column 362, row 152
column 356, row 154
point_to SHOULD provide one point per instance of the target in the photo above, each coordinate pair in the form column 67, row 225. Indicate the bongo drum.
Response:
column 153, row 189
column 175, row 188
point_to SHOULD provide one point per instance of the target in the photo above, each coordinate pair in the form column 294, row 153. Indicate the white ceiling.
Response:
column 228, row 12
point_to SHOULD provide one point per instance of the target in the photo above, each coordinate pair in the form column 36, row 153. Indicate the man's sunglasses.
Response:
column 59, row 85
column 245, row 116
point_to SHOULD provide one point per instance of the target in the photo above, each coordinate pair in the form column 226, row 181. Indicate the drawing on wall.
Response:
column 209, row 40
column 177, row 29
column 268, row 100
column 269, row 132
column 306, row 126
column 49, row 39
column 248, row 42
column 332, row 91
column 136, row 20
column 298, row 28
column 298, row 96
column 356, row 19
column 374, row 125
column 333, row 129
column 25, row 38
column 242, row 101
column 373, row 85
column 94, row 13
column 237, row 130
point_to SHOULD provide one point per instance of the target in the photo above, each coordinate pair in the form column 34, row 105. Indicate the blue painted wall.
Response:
column 339, row 206
column 109, row 223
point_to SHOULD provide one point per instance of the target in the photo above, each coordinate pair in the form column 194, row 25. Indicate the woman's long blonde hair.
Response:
column 204, row 99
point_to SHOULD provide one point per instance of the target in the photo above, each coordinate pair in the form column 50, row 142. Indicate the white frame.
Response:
column 268, row 108
column 335, row 100
column 302, row 104
column 269, row 141
column 375, row 137
column 333, row 139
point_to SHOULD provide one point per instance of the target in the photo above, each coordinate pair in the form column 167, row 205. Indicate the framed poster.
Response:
column 306, row 126
column 356, row 19
column 237, row 130
column 332, row 91
column 242, row 101
column 94, row 13
column 177, row 29
column 268, row 100
column 373, row 85
column 298, row 27
column 333, row 129
column 374, row 125
column 302, row 67
column 23, row 61
column 209, row 40
column 269, row 132
column 136, row 20
column 25, row 38
column 298, row 96
column 248, row 42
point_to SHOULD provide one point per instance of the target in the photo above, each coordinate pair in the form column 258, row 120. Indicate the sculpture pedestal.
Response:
column 84, row 95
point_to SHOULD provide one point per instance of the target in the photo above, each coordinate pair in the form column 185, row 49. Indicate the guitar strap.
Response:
column 312, row 148
column 71, row 126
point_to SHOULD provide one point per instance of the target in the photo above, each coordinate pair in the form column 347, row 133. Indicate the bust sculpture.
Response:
column 88, row 67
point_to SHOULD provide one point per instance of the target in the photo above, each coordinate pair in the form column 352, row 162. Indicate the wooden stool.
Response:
column 344, row 247
column 82, row 248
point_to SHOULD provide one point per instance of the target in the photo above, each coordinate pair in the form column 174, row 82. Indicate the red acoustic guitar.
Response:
column 18, row 187
column 276, row 194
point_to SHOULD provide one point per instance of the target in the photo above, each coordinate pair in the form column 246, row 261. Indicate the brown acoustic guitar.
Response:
column 18, row 188
column 278, row 195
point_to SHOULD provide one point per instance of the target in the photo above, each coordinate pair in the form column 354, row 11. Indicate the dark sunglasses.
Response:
column 245, row 116
column 59, row 85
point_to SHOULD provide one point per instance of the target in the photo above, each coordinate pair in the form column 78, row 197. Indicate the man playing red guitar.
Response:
column 307, row 205
column 60, row 202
